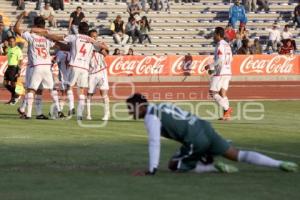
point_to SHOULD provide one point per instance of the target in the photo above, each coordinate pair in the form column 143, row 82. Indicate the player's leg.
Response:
column 88, row 106
column 104, row 87
column 104, row 94
column 82, row 83
column 30, row 100
column 215, row 87
column 256, row 158
column 56, row 107
column 72, row 78
column 38, row 104
column 223, row 93
column 184, row 161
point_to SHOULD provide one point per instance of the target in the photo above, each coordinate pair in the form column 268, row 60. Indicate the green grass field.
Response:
column 56, row 159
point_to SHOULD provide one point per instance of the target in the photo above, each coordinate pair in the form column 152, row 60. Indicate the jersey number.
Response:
column 82, row 50
column 42, row 52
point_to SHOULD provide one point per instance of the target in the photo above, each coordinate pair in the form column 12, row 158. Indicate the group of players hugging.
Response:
column 80, row 59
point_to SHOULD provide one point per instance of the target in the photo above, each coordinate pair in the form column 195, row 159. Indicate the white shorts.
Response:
column 41, row 78
column 219, row 82
column 79, row 77
column 99, row 80
column 28, row 76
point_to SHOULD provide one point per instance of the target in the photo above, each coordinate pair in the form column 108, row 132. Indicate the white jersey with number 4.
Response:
column 38, row 49
column 222, row 59
column 81, row 50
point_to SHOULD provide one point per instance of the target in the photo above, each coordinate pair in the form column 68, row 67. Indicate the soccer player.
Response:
column 82, row 47
column 221, row 72
column 198, row 138
column 14, row 59
column 98, row 78
column 39, row 75
column 62, row 59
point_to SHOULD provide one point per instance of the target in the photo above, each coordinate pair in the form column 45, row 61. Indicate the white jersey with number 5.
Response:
column 81, row 50
column 222, row 59
column 38, row 49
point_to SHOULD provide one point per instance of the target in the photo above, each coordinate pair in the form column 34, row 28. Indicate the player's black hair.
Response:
column 137, row 99
column 39, row 22
column 11, row 37
column 83, row 28
column 79, row 7
column 92, row 31
column 220, row 31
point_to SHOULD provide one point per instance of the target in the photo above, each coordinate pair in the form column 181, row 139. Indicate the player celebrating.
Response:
column 221, row 72
column 198, row 138
column 82, row 47
column 98, row 78
column 39, row 75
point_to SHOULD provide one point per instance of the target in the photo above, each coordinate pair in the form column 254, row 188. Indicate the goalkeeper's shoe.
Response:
column 289, row 167
column 42, row 117
column 225, row 168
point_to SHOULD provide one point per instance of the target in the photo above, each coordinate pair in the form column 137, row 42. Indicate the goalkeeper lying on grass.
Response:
column 200, row 142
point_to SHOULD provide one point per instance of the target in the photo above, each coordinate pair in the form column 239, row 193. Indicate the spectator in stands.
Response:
column 230, row 34
column 57, row 4
column 263, row 5
column 4, row 48
column 287, row 47
column 2, row 32
column 274, row 38
column 256, row 47
column 244, row 33
column 245, row 49
column 130, row 52
column 134, row 8
column 132, row 29
column 75, row 18
column 118, row 29
column 19, row 3
column 144, row 30
column 287, row 35
column 236, row 44
column 237, row 13
column 117, row 52
column 250, row 5
column 48, row 14
column 297, row 15
column 39, row 4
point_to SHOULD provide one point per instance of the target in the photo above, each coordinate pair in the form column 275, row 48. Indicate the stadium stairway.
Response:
column 186, row 28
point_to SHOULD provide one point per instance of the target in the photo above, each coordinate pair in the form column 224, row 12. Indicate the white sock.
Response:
column 221, row 101
column 38, row 104
column 61, row 104
column 106, row 105
column 24, row 103
column 201, row 168
column 88, row 106
column 226, row 101
column 80, row 107
column 70, row 99
column 255, row 158
column 29, row 104
column 55, row 99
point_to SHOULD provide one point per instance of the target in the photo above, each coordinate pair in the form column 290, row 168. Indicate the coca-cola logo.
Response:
column 190, row 65
column 148, row 65
column 276, row 65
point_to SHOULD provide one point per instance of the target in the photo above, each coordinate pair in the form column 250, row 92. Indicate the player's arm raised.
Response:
column 153, row 126
column 17, row 27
